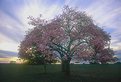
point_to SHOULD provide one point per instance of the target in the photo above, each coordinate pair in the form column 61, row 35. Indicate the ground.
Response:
column 79, row 73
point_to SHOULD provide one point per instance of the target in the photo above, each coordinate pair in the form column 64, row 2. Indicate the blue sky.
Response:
column 14, row 22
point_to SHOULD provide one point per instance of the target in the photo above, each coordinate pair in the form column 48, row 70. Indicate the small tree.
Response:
column 34, row 56
column 106, row 55
column 70, row 34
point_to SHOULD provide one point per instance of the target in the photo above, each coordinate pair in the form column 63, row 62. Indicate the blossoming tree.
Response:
column 69, row 34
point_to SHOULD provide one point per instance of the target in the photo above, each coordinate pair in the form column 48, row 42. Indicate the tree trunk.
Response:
column 45, row 68
column 103, row 62
column 63, row 66
column 66, row 67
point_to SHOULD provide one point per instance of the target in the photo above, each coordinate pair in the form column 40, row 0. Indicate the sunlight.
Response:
column 16, row 59
column 4, row 60
column 35, row 9
column 11, row 59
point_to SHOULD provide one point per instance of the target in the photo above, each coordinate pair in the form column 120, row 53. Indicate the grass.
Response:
column 79, row 73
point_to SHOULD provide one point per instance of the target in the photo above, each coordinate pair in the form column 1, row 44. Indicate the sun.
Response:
column 15, row 60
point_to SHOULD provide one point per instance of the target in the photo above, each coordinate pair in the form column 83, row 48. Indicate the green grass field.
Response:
column 79, row 73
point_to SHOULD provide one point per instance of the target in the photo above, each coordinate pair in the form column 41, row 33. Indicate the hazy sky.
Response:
column 14, row 22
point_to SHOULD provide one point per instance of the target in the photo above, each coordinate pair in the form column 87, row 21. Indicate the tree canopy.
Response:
column 70, row 34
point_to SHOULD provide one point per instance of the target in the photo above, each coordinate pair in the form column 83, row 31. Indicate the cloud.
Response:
column 8, row 44
column 10, row 27
column 7, row 54
column 11, row 32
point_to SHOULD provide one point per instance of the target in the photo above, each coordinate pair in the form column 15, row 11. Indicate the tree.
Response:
column 34, row 56
column 69, row 34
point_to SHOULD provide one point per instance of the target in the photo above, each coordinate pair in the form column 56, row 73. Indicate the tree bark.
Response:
column 66, row 67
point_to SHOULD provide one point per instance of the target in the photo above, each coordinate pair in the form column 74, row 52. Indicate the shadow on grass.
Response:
column 55, row 77
column 60, row 77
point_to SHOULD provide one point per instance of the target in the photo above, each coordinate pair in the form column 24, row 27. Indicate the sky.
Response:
column 14, row 22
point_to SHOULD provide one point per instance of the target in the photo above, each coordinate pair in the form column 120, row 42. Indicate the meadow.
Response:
column 79, row 73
